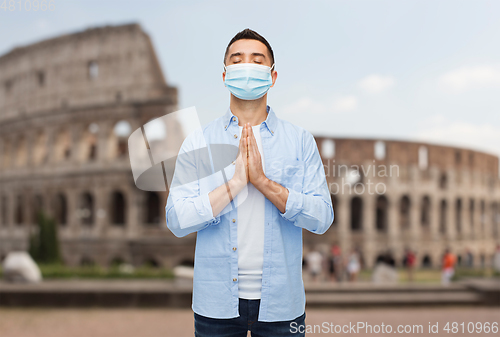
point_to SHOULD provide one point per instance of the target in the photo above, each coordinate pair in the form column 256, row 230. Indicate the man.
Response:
column 410, row 260
column 248, row 259
column 448, row 264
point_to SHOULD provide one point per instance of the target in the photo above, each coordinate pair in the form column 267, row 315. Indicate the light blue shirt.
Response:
column 292, row 159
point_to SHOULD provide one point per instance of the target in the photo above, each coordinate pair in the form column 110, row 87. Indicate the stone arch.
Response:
column 18, row 210
column 443, row 181
column 426, row 261
column 118, row 139
column 116, row 261
column 482, row 208
column 21, row 152
column 425, row 212
column 4, row 207
column 152, row 208
column 404, row 212
column 86, row 210
column 443, row 207
column 380, row 258
column 6, row 154
column 118, row 207
column 62, row 146
column 152, row 262
column 472, row 207
column 379, row 150
column 328, row 148
column 88, row 144
column 495, row 219
column 60, row 208
column 423, row 157
column 458, row 215
column 87, row 261
column 37, row 207
column 356, row 214
column 381, row 220
column 92, row 69
column 40, row 154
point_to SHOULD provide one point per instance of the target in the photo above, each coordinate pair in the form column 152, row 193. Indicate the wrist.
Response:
column 262, row 184
column 236, row 185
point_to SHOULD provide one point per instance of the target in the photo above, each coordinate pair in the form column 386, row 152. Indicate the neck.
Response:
column 253, row 112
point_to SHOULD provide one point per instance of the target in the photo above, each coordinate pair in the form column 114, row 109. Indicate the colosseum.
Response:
column 68, row 105
column 393, row 195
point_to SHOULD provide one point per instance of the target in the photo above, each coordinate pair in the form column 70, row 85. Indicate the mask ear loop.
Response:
column 272, row 67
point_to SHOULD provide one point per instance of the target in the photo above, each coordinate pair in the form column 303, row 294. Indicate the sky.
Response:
column 405, row 70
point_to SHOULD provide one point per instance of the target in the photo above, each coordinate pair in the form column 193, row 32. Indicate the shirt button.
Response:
column 235, row 136
column 234, row 248
column 234, row 118
column 272, row 131
column 234, row 279
column 234, row 220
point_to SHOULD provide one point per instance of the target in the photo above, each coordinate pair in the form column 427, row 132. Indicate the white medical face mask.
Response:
column 248, row 81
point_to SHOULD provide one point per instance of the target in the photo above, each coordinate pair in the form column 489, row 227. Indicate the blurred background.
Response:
column 402, row 98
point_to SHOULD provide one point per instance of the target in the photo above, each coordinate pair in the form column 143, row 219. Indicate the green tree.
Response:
column 44, row 244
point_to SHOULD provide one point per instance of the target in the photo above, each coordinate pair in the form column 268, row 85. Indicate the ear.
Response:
column 274, row 76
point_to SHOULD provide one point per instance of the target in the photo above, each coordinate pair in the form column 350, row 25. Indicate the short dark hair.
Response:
column 250, row 35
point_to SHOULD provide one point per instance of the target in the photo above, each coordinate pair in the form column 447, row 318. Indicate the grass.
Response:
column 434, row 275
column 58, row 271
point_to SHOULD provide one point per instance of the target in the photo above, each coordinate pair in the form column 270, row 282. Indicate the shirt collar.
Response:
column 229, row 118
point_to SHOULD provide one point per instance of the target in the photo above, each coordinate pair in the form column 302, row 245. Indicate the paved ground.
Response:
column 179, row 323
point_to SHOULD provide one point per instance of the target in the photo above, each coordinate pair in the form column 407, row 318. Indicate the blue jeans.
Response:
column 238, row 326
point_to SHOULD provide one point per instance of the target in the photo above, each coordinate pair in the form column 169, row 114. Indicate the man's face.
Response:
column 249, row 51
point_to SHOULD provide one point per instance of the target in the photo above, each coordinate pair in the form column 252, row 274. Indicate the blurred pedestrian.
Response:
column 410, row 260
column 448, row 267
column 469, row 258
column 353, row 265
column 314, row 261
column 336, row 265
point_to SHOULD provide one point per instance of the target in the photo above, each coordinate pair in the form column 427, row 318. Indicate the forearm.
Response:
column 222, row 195
column 275, row 192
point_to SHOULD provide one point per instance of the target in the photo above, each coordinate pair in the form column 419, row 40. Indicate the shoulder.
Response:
column 198, row 137
column 305, row 137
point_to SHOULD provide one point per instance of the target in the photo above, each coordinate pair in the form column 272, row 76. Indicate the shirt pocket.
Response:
column 288, row 173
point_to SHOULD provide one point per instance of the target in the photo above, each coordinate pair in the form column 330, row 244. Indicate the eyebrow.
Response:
column 253, row 54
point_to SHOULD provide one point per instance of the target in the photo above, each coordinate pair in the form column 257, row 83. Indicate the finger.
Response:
column 245, row 148
column 242, row 147
column 254, row 147
column 251, row 151
column 247, row 126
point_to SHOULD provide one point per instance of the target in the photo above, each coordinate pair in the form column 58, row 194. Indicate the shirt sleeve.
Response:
column 312, row 207
column 187, row 210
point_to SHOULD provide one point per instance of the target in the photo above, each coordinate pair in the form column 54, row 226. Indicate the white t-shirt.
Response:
column 251, row 235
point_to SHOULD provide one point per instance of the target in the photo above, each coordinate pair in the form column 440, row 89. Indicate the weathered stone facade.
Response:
column 60, row 103
column 62, row 99
column 429, row 198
